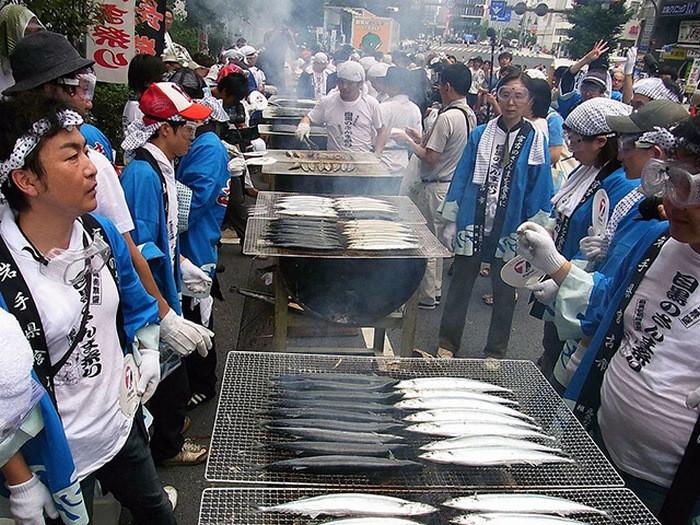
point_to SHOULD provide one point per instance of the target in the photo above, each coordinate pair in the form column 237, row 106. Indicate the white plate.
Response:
column 260, row 161
column 600, row 211
column 519, row 273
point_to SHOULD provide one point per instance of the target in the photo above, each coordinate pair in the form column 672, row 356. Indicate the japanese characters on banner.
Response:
column 150, row 31
column 111, row 43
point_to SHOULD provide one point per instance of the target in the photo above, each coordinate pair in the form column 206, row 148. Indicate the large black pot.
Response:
column 355, row 292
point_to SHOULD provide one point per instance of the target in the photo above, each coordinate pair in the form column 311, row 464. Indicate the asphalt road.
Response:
column 524, row 57
column 525, row 344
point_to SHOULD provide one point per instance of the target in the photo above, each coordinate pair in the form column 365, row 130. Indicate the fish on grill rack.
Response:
column 352, row 504
column 350, row 426
column 494, row 457
column 340, row 395
column 330, row 413
column 455, row 429
column 487, row 441
column 503, row 518
column 340, row 436
column 457, row 393
column 303, row 233
column 343, row 464
column 521, row 503
column 443, row 383
column 332, row 448
column 437, row 409
column 470, row 416
column 372, row 521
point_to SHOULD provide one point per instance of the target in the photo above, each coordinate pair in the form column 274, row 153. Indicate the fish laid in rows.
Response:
column 437, row 406
column 468, row 417
column 350, row 426
column 477, row 429
column 449, row 407
column 381, row 245
column 457, row 393
column 488, row 441
column 330, row 413
column 493, row 457
column 502, row 518
column 352, row 504
column 520, row 503
column 448, row 383
column 340, row 395
column 331, row 448
column 372, row 521
column 338, row 405
column 342, row 464
column 321, row 384
column 337, row 377
column 340, row 436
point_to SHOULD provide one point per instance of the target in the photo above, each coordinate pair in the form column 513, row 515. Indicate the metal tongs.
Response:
column 310, row 144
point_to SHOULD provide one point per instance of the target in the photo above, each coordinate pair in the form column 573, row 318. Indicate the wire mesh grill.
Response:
column 240, row 505
column 353, row 157
column 254, row 244
column 364, row 171
column 267, row 200
column 238, row 452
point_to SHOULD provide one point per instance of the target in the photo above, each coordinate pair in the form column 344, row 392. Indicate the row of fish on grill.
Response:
column 357, row 423
column 478, row 509
column 325, row 223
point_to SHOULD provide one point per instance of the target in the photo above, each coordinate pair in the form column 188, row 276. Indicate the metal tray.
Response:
column 240, row 505
column 238, row 453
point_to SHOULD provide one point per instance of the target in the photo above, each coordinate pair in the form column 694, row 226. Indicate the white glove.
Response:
column 693, row 399
column 29, row 501
column 236, row 166
column 183, row 336
column 149, row 373
column 594, row 247
column 631, row 60
column 545, row 291
column 535, row 244
column 449, row 234
column 303, row 131
column 196, row 281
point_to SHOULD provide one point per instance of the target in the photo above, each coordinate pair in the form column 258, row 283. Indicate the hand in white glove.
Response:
column 196, row 281
column 149, row 373
column 630, row 61
column 303, row 131
column 236, row 166
column 536, row 245
column 183, row 336
column 449, row 235
column 545, row 291
column 29, row 501
column 594, row 247
column 693, row 399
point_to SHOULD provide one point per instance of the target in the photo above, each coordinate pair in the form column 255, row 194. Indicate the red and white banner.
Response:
column 111, row 44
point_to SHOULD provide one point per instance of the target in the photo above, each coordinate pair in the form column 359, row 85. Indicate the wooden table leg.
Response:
column 279, row 339
column 408, row 327
column 378, row 342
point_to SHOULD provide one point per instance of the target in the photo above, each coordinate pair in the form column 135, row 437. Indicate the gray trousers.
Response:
column 466, row 271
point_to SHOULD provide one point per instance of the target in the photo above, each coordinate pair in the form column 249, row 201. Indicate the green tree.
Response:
column 67, row 17
column 592, row 21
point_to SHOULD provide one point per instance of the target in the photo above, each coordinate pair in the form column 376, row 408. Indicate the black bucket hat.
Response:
column 41, row 57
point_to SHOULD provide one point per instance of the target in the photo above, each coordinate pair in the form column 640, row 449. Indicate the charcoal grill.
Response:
column 354, row 157
column 282, row 136
column 237, row 453
column 240, row 505
column 281, row 102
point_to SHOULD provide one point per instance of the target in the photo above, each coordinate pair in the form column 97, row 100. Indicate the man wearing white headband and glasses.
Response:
column 166, row 132
column 68, row 279
column 353, row 120
column 637, row 387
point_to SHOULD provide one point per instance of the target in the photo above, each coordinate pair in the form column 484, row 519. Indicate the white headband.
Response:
column 25, row 144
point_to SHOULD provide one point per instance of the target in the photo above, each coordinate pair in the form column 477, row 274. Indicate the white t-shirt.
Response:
column 398, row 112
column 258, row 75
column 351, row 126
column 166, row 167
column 643, row 417
column 478, row 78
column 87, row 385
column 110, row 194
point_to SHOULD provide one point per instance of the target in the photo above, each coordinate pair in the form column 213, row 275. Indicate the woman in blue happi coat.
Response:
column 503, row 178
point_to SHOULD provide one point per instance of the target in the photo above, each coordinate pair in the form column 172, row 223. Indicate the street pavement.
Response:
column 521, row 57
column 525, row 344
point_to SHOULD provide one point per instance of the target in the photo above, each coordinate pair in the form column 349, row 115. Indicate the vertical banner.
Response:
column 150, row 31
column 111, row 43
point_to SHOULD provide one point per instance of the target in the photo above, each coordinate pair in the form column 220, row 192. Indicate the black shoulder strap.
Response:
column 145, row 155
column 466, row 117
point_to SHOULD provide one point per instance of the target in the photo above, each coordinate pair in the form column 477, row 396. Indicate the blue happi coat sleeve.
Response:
column 462, row 177
column 540, row 189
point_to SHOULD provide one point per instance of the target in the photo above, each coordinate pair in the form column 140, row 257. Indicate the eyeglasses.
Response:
column 83, row 84
column 518, row 95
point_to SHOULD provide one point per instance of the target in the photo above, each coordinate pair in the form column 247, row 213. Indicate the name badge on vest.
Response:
column 128, row 397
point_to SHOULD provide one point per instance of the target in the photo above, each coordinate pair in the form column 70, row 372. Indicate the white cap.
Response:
column 233, row 54
column 536, row 74
column 248, row 50
column 368, row 62
column 320, row 58
column 351, row 71
column 378, row 70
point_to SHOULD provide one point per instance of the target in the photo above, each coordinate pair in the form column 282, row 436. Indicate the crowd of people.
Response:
column 108, row 274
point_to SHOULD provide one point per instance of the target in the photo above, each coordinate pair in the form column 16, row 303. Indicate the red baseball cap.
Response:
column 227, row 70
column 165, row 100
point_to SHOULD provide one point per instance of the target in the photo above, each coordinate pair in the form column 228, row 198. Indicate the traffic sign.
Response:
column 499, row 11
column 541, row 9
column 520, row 8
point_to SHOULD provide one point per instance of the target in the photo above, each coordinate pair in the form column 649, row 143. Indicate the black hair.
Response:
column 672, row 72
column 507, row 71
column 203, row 59
column 378, row 56
column 144, row 70
column 452, row 57
column 688, row 131
column 19, row 114
column 506, row 54
column 190, row 82
column 541, row 95
column 458, row 76
column 517, row 74
column 559, row 72
column 342, row 55
column 398, row 78
column 234, row 84
column 478, row 60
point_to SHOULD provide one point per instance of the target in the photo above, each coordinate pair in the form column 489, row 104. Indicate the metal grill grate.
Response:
column 240, row 505
column 267, row 200
column 255, row 245
column 238, row 454
column 353, row 157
